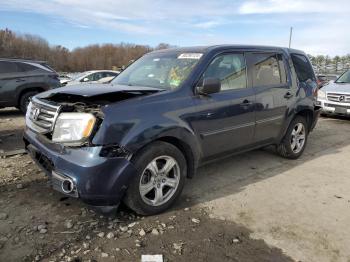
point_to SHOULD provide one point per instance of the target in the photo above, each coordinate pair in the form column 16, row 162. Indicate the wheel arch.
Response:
column 26, row 90
column 308, row 114
column 192, row 158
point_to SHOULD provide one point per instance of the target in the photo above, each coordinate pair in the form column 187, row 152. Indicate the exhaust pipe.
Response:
column 67, row 186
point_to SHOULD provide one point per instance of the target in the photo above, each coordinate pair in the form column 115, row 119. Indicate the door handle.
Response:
column 288, row 95
column 20, row 80
column 246, row 103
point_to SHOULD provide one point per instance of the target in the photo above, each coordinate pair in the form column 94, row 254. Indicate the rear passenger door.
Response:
column 225, row 120
column 272, row 87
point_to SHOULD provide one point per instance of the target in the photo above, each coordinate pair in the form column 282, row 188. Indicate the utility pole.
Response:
column 290, row 36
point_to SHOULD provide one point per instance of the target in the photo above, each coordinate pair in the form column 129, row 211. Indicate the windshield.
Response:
column 344, row 78
column 160, row 70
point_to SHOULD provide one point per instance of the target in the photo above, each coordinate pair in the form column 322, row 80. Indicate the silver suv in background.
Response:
column 21, row 79
column 334, row 98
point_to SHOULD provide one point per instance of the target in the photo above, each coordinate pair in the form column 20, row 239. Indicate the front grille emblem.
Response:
column 36, row 113
column 341, row 98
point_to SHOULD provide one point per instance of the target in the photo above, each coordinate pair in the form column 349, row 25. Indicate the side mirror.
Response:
column 210, row 85
column 85, row 79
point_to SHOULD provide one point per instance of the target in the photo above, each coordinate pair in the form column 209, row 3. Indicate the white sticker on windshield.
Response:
column 190, row 56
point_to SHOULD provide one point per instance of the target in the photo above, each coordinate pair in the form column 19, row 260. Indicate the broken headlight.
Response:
column 73, row 128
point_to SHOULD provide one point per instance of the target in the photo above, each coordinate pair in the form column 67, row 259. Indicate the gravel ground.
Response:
column 39, row 224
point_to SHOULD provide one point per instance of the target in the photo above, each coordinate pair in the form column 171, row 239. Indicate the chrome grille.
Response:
column 338, row 97
column 41, row 116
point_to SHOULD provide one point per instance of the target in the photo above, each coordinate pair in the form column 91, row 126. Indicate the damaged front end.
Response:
column 59, row 137
column 68, row 123
column 71, row 116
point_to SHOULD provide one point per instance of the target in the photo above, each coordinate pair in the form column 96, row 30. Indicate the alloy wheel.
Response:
column 159, row 180
column 297, row 140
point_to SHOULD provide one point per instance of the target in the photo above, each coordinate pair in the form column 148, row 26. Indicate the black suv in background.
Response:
column 22, row 79
column 139, row 138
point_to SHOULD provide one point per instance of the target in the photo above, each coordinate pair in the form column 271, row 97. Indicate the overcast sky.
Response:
column 320, row 27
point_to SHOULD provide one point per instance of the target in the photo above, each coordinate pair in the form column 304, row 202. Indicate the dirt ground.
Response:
column 252, row 207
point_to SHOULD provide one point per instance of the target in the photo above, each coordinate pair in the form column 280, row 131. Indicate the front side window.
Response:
column 230, row 69
column 166, row 70
column 268, row 70
column 90, row 77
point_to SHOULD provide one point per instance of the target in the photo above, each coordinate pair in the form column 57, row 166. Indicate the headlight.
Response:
column 321, row 95
column 73, row 128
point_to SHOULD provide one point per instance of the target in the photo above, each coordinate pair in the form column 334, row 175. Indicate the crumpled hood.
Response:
column 91, row 90
column 333, row 87
column 97, row 94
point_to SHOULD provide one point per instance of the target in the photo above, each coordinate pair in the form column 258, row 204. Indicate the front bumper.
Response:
column 97, row 180
column 334, row 108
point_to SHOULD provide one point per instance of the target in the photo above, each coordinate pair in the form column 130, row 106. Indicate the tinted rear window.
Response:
column 303, row 68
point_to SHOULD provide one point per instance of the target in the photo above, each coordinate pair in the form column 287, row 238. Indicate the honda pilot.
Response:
column 138, row 138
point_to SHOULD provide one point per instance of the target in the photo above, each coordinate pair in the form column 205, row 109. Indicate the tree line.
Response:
column 110, row 56
column 106, row 56
column 326, row 64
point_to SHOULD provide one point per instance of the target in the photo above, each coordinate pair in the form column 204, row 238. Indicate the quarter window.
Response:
column 303, row 68
column 268, row 70
column 230, row 69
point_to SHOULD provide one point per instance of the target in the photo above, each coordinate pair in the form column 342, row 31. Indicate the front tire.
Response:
column 161, row 173
column 294, row 142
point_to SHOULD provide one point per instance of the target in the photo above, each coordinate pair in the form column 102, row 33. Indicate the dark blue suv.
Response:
column 139, row 138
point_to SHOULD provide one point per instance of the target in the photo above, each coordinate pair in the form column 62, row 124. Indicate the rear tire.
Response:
column 24, row 100
column 294, row 141
column 161, row 173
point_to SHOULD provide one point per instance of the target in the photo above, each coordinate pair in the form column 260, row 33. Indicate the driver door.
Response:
column 226, row 120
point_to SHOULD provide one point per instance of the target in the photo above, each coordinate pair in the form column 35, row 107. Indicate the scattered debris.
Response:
column 101, row 234
column 68, row 224
column 3, row 216
column 236, row 240
column 339, row 197
column 110, row 235
column 152, row 258
column 142, row 232
column 195, row 220
column 104, row 255
column 155, row 232
column 5, row 154
column 178, row 248
column 123, row 229
column 131, row 225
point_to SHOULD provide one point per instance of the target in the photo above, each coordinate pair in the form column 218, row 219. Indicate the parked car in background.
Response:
column 325, row 79
column 64, row 78
column 334, row 98
column 106, row 80
column 90, row 77
column 21, row 79
column 137, row 139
